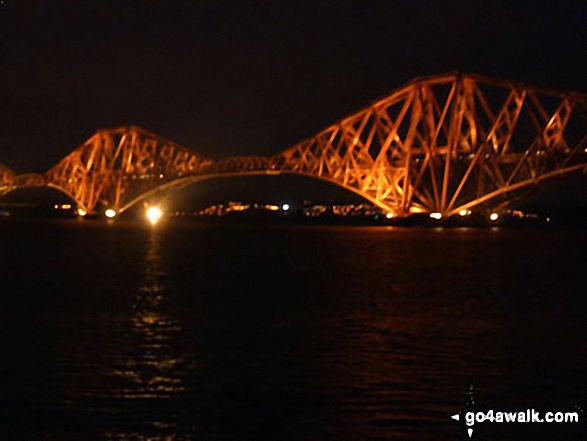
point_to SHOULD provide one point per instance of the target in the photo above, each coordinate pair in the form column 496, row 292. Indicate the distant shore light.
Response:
column 285, row 207
column 110, row 213
column 436, row 215
column 81, row 212
column 494, row 216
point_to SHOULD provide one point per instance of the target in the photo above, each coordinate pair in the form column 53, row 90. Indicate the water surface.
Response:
column 123, row 331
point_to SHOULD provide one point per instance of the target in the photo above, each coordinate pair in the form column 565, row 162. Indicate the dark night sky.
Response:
column 252, row 77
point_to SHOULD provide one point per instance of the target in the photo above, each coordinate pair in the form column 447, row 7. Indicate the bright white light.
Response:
column 436, row 215
column 110, row 213
column 154, row 214
column 494, row 216
column 465, row 212
column 81, row 212
column 285, row 207
column 389, row 215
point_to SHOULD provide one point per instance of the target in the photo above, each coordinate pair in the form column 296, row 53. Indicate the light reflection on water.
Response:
column 191, row 332
column 151, row 370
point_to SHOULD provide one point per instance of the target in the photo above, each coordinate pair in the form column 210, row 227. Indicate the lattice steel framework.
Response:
column 437, row 144
column 117, row 166
column 447, row 143
column 7, row 178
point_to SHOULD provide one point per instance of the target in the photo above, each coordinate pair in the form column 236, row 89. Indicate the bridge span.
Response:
column 438, row 144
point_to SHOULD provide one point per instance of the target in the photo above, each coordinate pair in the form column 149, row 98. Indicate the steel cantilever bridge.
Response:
column 438, row 144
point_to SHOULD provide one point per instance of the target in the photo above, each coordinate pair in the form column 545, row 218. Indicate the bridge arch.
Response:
column 7, row 177
column 165, row 190
column 436, row 144
column 20, row 186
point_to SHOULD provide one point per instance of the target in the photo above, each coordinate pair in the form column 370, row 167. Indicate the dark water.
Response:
column 179, row 332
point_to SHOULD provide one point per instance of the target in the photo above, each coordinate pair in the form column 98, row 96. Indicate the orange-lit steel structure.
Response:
column 438, row 144
column 7, row 177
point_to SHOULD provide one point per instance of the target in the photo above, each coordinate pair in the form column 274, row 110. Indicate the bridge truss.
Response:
column 7, row 178
column 437, row 144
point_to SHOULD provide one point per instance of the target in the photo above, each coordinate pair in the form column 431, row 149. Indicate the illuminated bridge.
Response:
column 439, row 144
